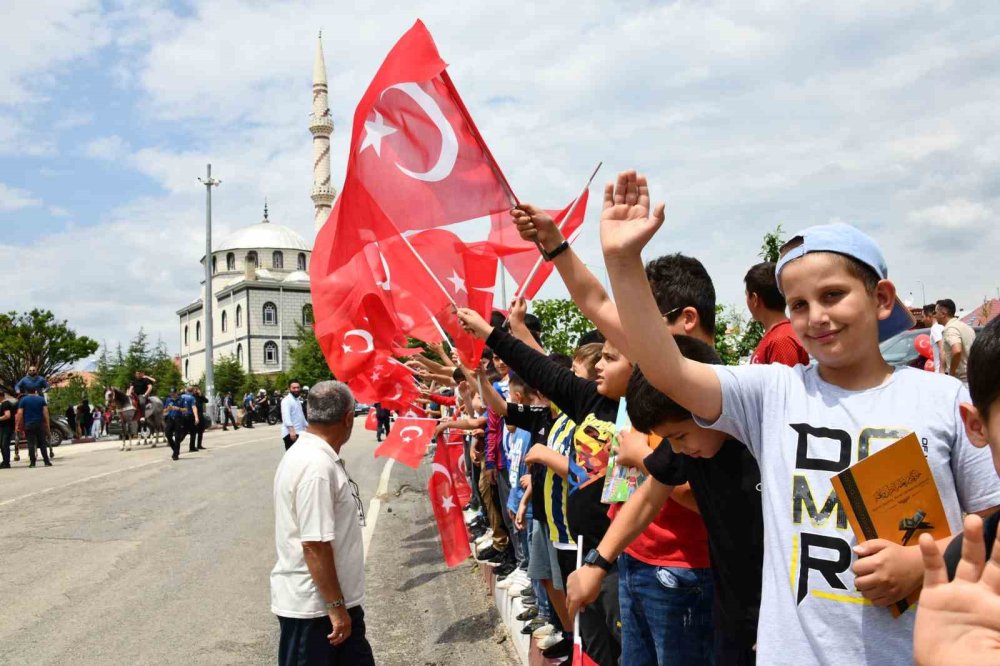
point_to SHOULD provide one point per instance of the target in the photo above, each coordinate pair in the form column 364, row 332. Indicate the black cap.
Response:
column 173, row 389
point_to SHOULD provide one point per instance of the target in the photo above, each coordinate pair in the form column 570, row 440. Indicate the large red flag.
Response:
column 441, row 488
column 520, row 257
column 407, row 441
column 456, row 465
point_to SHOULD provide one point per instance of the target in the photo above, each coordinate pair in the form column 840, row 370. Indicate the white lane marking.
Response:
column 116, row 471
column 376, row 504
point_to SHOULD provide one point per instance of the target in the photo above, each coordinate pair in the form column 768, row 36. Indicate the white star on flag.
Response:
column 407, row 439
column 374, row 133
column 457, row 283
column 447, row 503
column 347, row 349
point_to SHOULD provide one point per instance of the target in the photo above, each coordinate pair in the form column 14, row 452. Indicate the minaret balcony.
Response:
column 322, row 125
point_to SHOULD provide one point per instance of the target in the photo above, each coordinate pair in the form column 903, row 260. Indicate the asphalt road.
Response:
column 116, row 557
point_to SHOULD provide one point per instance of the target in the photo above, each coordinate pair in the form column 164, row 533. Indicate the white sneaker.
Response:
column 515, row 589
column 484, row 542
column 550, row 640
column 543, row 631
column 506, row 582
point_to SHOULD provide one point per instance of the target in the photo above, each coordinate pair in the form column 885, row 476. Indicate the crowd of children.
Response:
column 735, row 547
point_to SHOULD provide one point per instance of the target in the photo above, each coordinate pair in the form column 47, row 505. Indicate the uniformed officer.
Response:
column 173, row 426
column 192, row 417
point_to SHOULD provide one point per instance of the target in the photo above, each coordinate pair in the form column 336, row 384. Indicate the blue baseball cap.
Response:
column 850, row 242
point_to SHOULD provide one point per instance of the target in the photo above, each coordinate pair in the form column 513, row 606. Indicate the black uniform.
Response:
column 174, row 424
column 227, row 413
column 199, row 429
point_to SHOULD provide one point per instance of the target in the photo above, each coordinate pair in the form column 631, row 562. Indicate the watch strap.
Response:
column 556, row 251
column 331, row 605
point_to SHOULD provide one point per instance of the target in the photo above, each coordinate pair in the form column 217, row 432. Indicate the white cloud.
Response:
column 12, row 198
column 954, row 215
column 111, row 147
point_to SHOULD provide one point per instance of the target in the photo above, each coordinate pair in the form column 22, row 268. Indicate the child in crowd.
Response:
column 959, row 622
column 767, row 307
column 805, row 424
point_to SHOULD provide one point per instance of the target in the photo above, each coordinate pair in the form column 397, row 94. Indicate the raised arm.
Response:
column 519, row 308
column 585, row 289
column 626, row 227
column 492, row 399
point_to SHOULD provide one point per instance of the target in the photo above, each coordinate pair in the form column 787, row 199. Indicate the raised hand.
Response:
column 959, row 622
column 474, row 323
column 518, row 308
column 626, row 222
column 533, row 224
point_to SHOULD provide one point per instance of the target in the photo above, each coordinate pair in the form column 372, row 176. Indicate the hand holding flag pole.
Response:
column 569, row 215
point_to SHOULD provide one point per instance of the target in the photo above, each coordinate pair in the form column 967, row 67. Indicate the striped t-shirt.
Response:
column 556, row 488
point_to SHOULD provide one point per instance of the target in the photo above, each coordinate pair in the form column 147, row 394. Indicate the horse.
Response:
column 144, row 424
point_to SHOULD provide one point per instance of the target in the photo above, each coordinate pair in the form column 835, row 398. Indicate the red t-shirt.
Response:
column 676, row 538
column 780, row 345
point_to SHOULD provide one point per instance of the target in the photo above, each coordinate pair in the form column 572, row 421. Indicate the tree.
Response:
column 38, row 339
column 770, row 248
column 161, row 365
column 562, row 323
column 72, row 393
column 308, row 364
column 229, row 376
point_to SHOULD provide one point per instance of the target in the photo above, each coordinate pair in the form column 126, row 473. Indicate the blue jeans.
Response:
column 666, row 614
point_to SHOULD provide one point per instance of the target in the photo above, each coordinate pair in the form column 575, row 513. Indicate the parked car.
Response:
column 901, row 351
column 59, row 430
column 361, row 409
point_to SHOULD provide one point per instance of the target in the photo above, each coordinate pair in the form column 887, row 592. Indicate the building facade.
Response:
column 260, row 275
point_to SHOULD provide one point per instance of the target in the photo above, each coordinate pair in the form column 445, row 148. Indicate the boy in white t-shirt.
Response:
column 821, row 589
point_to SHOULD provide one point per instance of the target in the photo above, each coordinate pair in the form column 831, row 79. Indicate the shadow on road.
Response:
column 470, row 629
column 417, row 581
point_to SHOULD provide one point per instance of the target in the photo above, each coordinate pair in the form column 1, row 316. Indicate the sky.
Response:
column 883, row 115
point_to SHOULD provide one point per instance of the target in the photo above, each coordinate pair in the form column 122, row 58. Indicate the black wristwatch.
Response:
column 559, row 249
column 595, row 559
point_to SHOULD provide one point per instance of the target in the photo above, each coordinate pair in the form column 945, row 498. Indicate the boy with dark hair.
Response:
column 807, row 423
column 957, row 621
column 767, row 307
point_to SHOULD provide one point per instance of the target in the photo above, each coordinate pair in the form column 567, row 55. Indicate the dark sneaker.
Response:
column 561, row 649
column 530, row 628
column 488, row 554
column 527, row 614
column 505, row 569
column 48, row 464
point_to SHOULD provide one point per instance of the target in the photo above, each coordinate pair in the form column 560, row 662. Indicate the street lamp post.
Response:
column 209, row 183
column 923, row 293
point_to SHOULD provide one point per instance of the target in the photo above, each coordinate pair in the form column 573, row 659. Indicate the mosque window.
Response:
column 225, row 321
column 270, row 314
column 252, row 259
column 271, row 352
column 278, row 259
column 239, row 354
column 239, row 316
column 230, row 262
column 185, row 335
column 307, row 314
column 215, row 268
column 197, row 331
column 302, row 261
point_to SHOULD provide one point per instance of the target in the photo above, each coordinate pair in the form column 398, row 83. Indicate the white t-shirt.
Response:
column 802, row 431
column 937, row 334
column 314, row 501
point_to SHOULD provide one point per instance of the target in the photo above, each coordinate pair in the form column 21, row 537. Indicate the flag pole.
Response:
column 538, row 262
column 427, row 268
column 577, row 640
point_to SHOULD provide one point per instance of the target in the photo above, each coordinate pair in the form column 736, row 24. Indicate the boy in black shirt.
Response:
column 725, row 481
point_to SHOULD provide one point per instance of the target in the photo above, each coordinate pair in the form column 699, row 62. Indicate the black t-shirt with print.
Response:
column 727, row 490
column 595, row 415
column 537, row 420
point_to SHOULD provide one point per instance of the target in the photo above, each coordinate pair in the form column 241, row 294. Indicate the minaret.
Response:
column 321, row 126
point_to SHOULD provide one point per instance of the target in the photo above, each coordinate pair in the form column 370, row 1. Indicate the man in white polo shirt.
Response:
column 318, row 583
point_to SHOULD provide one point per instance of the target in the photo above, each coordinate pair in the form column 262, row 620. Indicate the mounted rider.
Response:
column 140, row 389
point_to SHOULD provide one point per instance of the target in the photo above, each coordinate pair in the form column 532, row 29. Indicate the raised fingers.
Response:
column 970, row 568
column 631, row 188
column 620, row 187
column 609, row 195
column 991, row 572
column 934, row 570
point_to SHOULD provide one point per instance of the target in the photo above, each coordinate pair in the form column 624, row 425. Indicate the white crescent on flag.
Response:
column 402, row 433
column 438, row 468
column 449, row 142
column 364, row 335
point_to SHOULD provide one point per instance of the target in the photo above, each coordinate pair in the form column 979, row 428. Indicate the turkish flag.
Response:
column 387, row 381
column 414, row 146
column 520, row 257
column 415, row 411
column 407, row 441
column 456, row 465
column 444, row 496
column 371, row 421
column 581, row 658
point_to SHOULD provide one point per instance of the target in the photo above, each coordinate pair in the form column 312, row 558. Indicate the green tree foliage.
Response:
column 753, row 331
column 562, row 323
column 118, row 368
column 229, row 376
column 72, row 393
column 308, row 365
column 37, row 338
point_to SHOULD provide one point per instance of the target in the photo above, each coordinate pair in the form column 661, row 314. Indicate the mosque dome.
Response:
column 264, row 234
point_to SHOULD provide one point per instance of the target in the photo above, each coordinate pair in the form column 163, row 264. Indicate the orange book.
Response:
column 892, row 495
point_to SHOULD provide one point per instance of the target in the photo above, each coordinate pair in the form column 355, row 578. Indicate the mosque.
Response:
column 260, row 278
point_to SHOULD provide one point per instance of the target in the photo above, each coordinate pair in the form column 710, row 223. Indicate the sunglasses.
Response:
column 356, row 494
